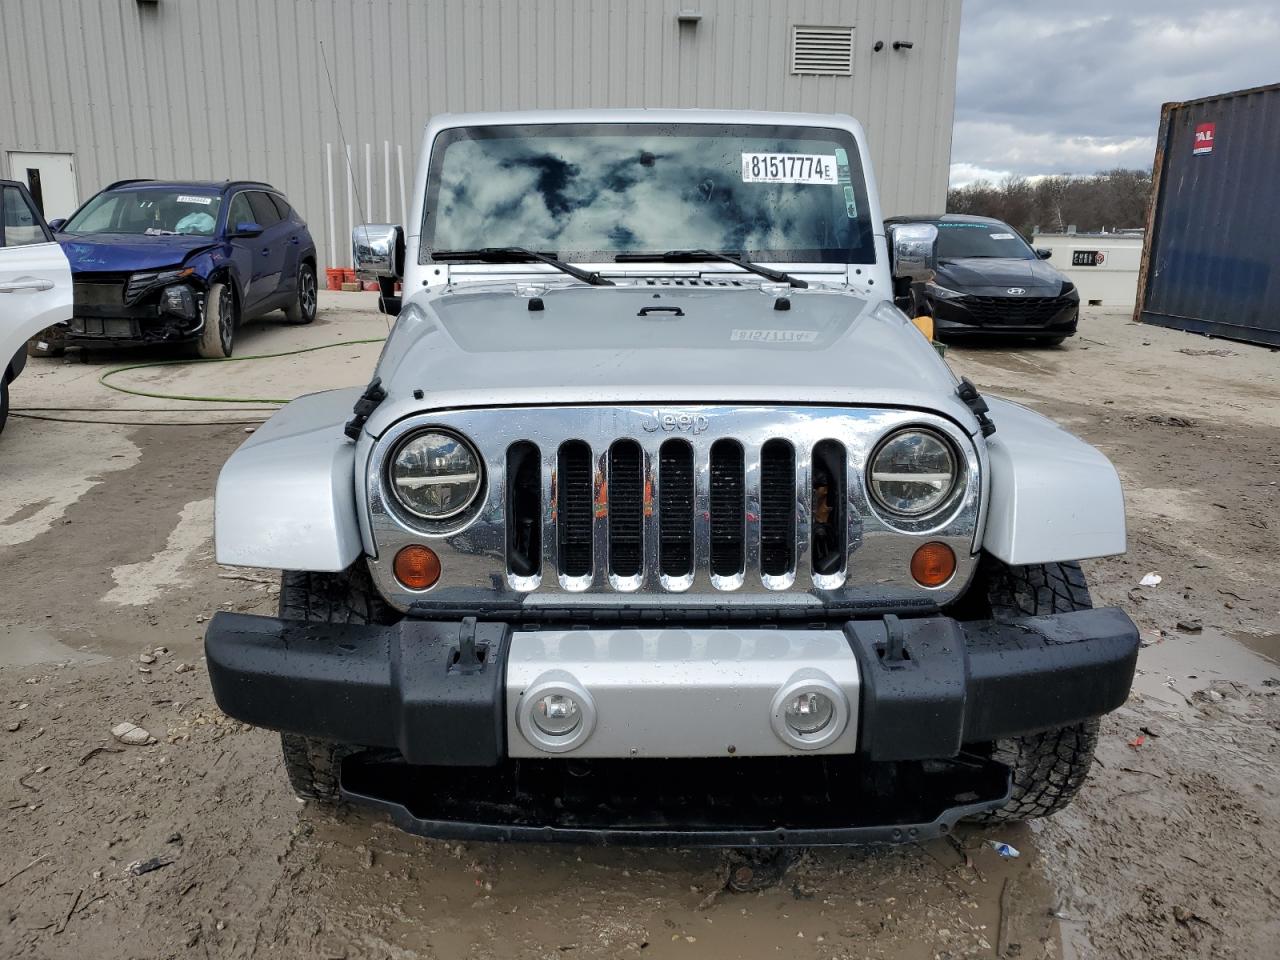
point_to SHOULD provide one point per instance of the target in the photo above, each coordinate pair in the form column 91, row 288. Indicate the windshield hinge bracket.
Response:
column 972, row 399
column 368, row 402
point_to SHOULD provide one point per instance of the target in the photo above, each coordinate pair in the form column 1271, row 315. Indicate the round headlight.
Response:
column 913, row 472
column 435, row 475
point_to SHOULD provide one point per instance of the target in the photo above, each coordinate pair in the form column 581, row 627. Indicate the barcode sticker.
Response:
column 203, row 201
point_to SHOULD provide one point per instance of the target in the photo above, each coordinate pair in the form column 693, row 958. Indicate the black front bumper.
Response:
column 104, row 313
column 1007, row 316
column 935, row 693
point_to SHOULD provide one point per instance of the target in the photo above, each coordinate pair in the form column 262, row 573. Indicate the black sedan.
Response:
column 989, row 281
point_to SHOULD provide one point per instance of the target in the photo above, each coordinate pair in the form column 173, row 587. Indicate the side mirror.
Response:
column 246, row 230
column 1044, row 253
column 913, row 251
column 57, row 223
column 377, row 250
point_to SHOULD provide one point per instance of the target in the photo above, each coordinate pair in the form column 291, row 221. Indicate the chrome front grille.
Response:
column 701, row 506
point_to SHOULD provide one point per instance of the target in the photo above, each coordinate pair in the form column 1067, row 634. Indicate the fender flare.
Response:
column 286, row 499
column 1052, row 497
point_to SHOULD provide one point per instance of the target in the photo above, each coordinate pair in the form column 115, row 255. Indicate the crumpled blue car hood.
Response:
column 125, row 253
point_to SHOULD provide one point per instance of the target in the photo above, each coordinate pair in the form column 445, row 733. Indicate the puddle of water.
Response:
column 1264, row 644
column 1183, row 663
column 24, row 646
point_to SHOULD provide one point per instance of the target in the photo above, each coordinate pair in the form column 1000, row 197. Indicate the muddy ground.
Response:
column 195, row 847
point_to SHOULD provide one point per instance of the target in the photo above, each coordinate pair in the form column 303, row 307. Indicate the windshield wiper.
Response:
column 521, row 255
column 684, row 256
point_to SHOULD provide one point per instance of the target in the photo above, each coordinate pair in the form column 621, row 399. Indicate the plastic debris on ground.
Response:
column 1150, row 580
column 1004, row 849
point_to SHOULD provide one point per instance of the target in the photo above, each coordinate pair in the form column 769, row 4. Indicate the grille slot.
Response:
column 574, row 509
column 626, row 508
column 829, row 507
column 777, row 508
column 727, row 514
column 675, row 508
column 524, row 509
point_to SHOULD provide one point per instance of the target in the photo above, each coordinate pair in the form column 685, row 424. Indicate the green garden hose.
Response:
column 106, row 375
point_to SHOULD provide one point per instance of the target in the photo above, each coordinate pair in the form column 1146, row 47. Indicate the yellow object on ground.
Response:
column 924, row 325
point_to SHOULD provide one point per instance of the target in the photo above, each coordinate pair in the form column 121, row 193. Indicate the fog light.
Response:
column 178, row 300
column 933, row 564
column 557, row 714
column 417, row 567
column 809, row 712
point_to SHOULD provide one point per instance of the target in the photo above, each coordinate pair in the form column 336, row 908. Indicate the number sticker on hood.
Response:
column 774, row 336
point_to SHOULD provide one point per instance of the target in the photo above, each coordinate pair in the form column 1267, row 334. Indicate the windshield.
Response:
column 589, row 192
column 959, row 240
column 148, row 212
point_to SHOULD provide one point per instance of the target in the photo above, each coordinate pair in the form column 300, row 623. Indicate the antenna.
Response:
column 324, row 58
column 346, row 149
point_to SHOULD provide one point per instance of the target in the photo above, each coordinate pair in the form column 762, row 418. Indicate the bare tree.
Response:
column 1111, row 200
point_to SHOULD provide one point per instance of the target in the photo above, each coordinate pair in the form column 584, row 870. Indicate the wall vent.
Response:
column 822, row 51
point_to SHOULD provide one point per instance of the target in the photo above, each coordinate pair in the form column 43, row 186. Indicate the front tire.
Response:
column 221, row 317
column 313, row 765
column 1048, row 768
column 303, row 308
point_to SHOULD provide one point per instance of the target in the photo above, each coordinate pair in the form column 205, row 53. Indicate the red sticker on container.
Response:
column 1204, row 139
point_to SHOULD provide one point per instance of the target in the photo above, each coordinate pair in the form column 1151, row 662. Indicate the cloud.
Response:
column 1047, row 89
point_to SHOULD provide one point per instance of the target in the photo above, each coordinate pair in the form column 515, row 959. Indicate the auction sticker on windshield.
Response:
column 788, row 168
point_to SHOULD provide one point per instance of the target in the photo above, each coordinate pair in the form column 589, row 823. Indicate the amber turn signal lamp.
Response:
column 933, row 564
column 417, row 567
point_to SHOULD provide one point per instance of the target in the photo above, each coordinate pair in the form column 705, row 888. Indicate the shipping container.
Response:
column 1211, row 260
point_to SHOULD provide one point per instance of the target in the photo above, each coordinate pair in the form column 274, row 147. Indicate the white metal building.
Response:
column 93, row 92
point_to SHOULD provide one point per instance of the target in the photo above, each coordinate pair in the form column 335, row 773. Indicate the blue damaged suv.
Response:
column 187, row 261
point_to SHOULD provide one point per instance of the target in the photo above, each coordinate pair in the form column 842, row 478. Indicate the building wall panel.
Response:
column 239, row 88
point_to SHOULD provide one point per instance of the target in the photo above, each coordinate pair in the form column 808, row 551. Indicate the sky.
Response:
column 1075, row 87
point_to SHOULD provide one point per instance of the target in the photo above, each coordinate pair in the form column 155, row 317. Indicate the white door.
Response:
column 35, row 277
column 51, row 179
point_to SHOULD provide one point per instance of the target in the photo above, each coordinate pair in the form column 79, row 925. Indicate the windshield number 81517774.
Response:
column 788, row 168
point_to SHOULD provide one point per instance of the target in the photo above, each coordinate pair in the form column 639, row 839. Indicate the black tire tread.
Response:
column 1036, row 590
column 1051, row 766
column 347, row 597
column 313, row 765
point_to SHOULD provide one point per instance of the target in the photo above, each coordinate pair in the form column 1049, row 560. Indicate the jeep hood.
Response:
column 486, row 347
column 127, row 252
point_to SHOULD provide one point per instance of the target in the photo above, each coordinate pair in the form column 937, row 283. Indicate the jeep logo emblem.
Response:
column 1015, row 291
column 694, row 423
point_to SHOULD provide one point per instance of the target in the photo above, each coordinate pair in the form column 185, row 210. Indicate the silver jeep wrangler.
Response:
column 659, row 522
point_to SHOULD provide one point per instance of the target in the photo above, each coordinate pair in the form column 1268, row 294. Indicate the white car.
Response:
column 35, row 282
